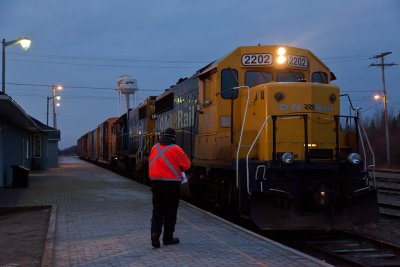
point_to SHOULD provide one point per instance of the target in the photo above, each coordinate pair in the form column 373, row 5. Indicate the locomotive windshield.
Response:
column 254, row 78
column 320, row 77
column 290, row 77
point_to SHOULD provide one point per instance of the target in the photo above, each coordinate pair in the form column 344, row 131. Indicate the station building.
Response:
column 24, row 142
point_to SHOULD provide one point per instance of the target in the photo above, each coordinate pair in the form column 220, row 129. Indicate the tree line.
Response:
column 375, row 128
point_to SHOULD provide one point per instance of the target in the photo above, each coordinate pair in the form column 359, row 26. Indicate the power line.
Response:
column 102, row 65
column 80, row 87
column 110, row 59
column 356, row 91
column 344, row 60
column 337, row 59
column 344, row 57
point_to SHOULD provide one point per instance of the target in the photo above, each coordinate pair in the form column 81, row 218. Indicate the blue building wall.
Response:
column 16, row 150
column 24, row 141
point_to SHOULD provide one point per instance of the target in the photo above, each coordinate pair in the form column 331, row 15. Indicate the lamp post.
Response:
column 57, row 97
column 25, row 44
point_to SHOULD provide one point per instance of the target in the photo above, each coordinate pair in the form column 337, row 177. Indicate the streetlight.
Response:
column 25, row 44
column 377, row 96
column 57, row 97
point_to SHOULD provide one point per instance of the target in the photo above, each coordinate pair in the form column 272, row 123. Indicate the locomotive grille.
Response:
column 320, row 153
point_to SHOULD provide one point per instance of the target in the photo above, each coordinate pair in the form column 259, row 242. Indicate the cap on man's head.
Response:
column 170, row 132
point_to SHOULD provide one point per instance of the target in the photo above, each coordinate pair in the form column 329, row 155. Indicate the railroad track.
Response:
column 389, row 195
column 388, row 180
column 338, row 248
column 344, row 249
column 389, row 209
column 389, row 191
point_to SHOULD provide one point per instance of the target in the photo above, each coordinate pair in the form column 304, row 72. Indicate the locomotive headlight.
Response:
column 281, row 59
column 287, row 158
column 354, row 158
column 281, row 51
column 281, row 55
column 322, row 197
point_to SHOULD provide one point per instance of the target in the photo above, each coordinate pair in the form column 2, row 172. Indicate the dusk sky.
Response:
column 86, row 45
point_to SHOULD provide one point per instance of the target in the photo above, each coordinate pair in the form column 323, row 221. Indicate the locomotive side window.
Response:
column 290, row 77
column 254, row 78
column 319, row 77
column 164, row 104
column 229, row 79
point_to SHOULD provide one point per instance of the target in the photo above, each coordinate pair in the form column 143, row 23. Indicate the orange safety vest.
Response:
column 167, row 162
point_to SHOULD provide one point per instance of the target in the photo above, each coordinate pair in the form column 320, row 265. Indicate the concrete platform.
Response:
column 103, row 219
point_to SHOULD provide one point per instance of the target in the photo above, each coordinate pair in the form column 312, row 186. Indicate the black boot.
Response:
column 155, row 240
column 171, row 241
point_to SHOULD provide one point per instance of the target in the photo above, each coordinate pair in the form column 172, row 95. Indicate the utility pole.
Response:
column 383, row 65
column 53, row 89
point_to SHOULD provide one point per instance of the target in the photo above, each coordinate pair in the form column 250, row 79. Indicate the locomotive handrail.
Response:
column 141, row 150
column 362, row 146
column 241, row 132
column 361, row 135
column 248, row 153
column 371, row 151
column 139, row 153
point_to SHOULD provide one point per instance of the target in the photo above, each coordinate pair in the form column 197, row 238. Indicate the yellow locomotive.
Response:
column 267, row 138
column 263, row 128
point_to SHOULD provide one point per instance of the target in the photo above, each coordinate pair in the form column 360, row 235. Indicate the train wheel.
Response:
column 196, row 184
column 220, row 192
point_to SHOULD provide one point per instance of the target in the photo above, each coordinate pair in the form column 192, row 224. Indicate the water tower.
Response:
column 126, row 85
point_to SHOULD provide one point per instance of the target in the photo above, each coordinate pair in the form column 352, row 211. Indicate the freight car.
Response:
column 120, row 146
column 96, row 146
column 263, row 128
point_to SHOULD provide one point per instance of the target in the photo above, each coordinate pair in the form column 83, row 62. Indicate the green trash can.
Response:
column 20, row 176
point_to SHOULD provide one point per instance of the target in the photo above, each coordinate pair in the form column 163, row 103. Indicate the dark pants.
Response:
column 166, row 196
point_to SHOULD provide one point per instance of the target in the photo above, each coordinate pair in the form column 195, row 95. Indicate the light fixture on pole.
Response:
column 379, row 96
column 25, row 44
column 54, row 97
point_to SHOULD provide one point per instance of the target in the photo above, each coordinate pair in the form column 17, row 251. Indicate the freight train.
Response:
column 263, row 128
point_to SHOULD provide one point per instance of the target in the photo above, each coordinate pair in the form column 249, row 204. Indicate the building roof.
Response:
column 53, row 134
column 11, row 111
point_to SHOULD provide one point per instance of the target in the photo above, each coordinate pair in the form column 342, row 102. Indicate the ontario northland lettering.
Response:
column 176, row 119
column 300, row 107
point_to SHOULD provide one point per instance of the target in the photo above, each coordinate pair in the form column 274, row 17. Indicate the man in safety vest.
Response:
column 166, row 163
